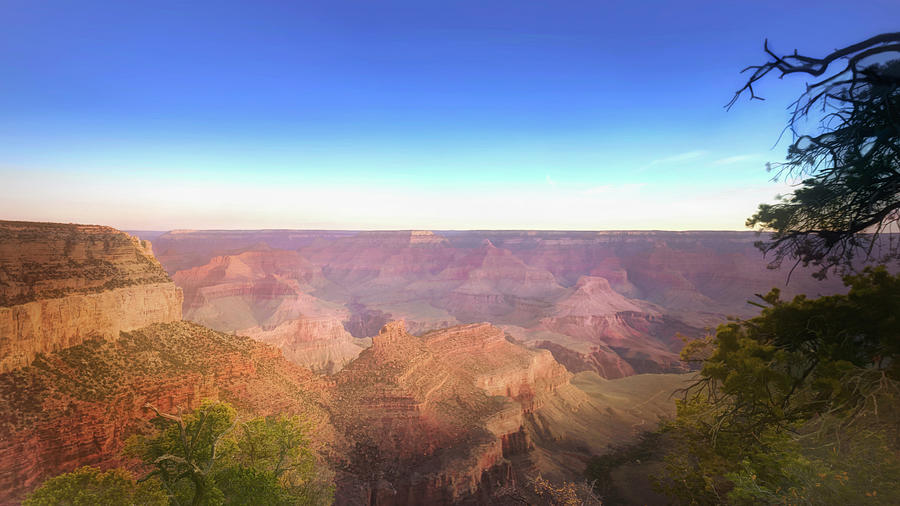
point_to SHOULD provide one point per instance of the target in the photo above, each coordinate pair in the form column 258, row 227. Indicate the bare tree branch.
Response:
column 847, row 174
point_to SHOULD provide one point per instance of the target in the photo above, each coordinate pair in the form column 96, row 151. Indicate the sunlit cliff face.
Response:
column 65, row 284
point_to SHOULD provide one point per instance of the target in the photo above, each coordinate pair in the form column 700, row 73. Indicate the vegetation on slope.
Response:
column 88, row 486
column 206, row 457
column 94, row 394
column 797, row 405
column 97, row 369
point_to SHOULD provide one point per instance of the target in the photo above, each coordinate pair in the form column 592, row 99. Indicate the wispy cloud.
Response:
column 550, row 181
column 678, row 158
column 729, row 160
column 681, row 157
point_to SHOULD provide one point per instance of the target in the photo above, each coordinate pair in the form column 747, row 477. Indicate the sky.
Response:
column 525, row 114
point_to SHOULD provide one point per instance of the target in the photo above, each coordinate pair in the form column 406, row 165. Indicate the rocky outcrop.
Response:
column 264, row 293
column 63, row 284
column 600, row 359
column 497, row 366
column 442, row 411
column 319, row 344
column 593, row 295
column 260, row 287
column 460, row 413
column 648, row 342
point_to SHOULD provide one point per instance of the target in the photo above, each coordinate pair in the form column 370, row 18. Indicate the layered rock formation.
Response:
column 600, row 359
column 441, row 413
column 460, row 414
column 258, row 287
column 183, row 249
column 63, row 284
column 438, row 419
column 265, row 293
column 320, row 344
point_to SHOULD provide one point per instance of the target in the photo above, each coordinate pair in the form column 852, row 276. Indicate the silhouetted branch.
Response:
column 851, row 194
column 796, row 63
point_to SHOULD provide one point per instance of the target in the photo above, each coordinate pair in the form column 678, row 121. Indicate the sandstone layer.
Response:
column 433, row 417
column 63, row 284
column 266, row 294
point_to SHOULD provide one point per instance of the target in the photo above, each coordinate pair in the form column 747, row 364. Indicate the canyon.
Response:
column 615, row 303
column 413, row 413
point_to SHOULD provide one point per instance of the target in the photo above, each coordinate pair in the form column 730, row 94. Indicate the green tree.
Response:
column 848, row 170
column 276, row 444
column 273, row 450
column 88, row 486
column 242, row 485
column 185, row 450
column 799, row 402
column 206, row 457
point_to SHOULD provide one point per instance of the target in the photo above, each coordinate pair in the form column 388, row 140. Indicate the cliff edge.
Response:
column 61, row 284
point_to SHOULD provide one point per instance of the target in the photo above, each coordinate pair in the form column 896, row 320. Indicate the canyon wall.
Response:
column 459, row 415
column 90, row 332
column 320, row 344
column 440, row 419
column 265, row 293
column 63, row 284
column 443, row 413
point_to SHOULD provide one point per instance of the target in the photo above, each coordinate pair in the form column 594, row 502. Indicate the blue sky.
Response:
column 394, row 115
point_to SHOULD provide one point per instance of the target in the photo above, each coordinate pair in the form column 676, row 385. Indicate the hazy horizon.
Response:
column 433, row 230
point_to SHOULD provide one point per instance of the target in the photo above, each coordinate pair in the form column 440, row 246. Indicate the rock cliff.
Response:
column 441, row 413
column 267, row 294
column 319, row 344
column 447, row 416
column 63, row 284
